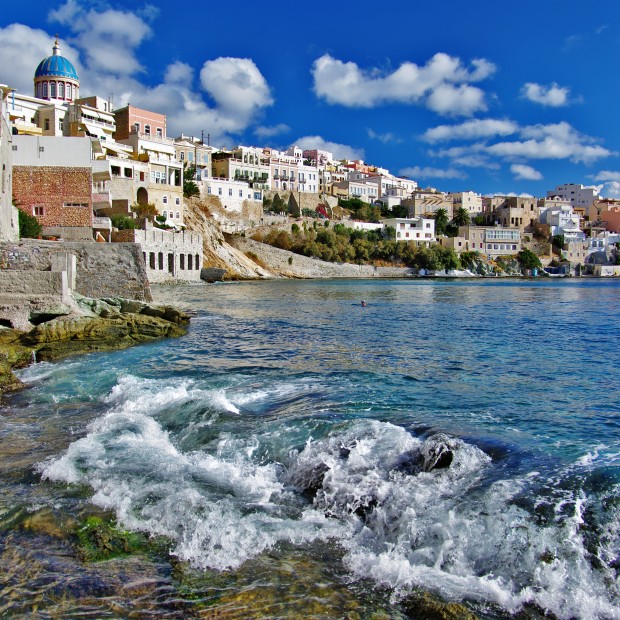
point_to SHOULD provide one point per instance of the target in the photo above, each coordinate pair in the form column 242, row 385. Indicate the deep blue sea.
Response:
column 459, row 437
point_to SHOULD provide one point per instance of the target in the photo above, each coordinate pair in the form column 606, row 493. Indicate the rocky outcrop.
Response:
column 103, row 325
column 216, row 250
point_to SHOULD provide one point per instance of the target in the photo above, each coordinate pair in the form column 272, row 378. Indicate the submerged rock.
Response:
column 423, row 606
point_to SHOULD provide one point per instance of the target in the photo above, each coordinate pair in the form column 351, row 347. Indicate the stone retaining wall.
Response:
column 103, row 269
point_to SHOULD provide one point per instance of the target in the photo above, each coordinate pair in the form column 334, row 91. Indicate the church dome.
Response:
column 56, row 66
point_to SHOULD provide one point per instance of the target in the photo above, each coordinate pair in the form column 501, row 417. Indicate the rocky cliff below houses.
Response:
column 206, row 217
column 91, row 325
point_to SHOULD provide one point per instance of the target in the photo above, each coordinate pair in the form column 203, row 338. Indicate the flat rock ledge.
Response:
column 100, row 325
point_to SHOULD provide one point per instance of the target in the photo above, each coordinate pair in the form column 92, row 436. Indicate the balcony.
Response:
column 152, row 137
column 102, row 200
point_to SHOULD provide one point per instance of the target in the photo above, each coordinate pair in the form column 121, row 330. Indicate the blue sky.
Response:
column 496, row 97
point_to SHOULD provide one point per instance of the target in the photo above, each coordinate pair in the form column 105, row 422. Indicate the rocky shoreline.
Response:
column 97, row 325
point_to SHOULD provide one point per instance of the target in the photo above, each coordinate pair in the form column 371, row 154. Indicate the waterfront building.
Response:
column 246, row 164
column 168, row 256
column 232, row 194
column 492, row 241
column 420, row 230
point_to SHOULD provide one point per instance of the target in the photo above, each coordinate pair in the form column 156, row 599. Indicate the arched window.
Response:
column 147, row 130
column 165, row 214
column 61, row 90
column 165, row 200
column 178, row 216
column 68, row 91
column 39, row 90
column 177, row 201
column 52, row 90
column 44, row 90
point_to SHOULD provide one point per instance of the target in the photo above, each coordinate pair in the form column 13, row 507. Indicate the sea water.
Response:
column 459, row 437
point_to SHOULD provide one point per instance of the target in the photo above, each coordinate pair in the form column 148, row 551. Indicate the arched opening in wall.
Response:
column 182, row 260
column 161, row 261
column 197, row 261
column 171, row 263
column 190, row 257
column 142, row 196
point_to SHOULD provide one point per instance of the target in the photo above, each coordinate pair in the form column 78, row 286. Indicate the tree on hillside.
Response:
column 441, row 221
column 461, row 217
column 189, row 183
column 528, row 260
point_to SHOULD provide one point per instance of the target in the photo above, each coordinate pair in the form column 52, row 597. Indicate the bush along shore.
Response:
column 97, row 325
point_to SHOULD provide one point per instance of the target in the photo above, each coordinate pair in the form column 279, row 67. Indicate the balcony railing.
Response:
column 102, row 200
column 152, row 137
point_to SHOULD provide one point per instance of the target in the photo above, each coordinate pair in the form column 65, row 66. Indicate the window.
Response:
column 136, row 127
column 44, row 90
column 38, row 210
column 52, row 90
column 178, row 215
column 182, row 155
column 61, row 124
column 159, row 133
column 128, row 173
column 190, row 156
column 141, row 176
column 197, row 262
column 165, row 200
column 61, row 90
column 68, row 91
column 165, row 214
column 39, row 90
column 219, row 191
column 230, row 191
column 208, row 189
column 152, row 260
column 190, row 261
column 205, row 158
column 147, row 130
column 75, row 204
column 161, row 260
column 182, row 260
column 47, row 124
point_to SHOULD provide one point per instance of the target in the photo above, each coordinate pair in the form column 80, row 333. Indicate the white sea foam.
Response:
column 408, row 512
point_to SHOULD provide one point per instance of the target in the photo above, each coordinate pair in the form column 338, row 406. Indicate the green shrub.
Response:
column 123, row 222
column 28, row 225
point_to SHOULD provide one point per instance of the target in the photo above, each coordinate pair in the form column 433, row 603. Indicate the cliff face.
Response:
column 199, row 217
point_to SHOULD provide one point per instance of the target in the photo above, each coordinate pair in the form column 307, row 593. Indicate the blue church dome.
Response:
column 56, row 66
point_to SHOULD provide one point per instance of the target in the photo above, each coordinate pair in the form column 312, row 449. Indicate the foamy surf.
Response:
column 408, row 511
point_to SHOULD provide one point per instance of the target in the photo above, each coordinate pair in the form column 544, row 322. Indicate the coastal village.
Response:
column 117, row 204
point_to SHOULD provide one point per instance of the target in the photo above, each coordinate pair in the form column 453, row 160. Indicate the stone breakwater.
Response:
column 100, row 325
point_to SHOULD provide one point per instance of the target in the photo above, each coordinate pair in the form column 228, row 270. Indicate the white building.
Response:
column 418, row 229
column 232, row 194
column 562, row 220
column 9, row 223
column 470, row 201
column 578, row 195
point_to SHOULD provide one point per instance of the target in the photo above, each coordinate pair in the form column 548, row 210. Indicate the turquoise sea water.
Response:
column 462, row 437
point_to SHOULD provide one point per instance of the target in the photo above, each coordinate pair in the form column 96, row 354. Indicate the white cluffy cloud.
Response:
column 386, row 138
column 339, row 151
column 525, row 173
column 607, row 175
column 443, row 84
column 471, row 130
column 553, row 141
column 553, row 96
column 270, row 132
column 228, row 95
column 433, row 173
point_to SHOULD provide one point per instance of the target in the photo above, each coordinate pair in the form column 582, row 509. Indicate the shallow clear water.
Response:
column 293, row 423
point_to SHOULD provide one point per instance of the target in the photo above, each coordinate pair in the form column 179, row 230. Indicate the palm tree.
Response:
column 461, row 217
column 441, row 221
